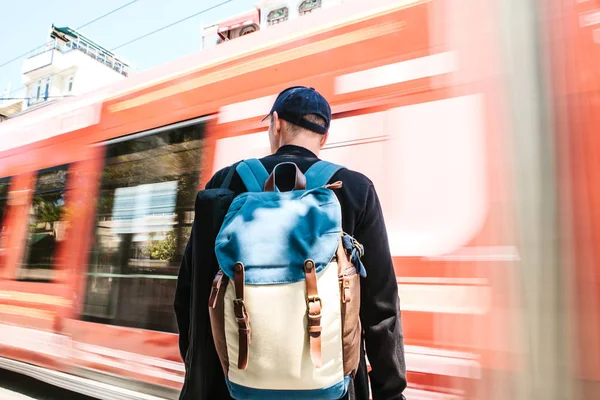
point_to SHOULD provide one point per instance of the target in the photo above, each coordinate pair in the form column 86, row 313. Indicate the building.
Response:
column 266, row 13
column 68, row 65
column 11, row 102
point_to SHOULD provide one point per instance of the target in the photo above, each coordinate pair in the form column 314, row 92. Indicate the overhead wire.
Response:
column 107, row 14
column 171, row 24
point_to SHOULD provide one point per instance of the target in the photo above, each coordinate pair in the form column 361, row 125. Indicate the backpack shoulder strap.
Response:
column 253, row 174
column 320, row 173
column 229, row 176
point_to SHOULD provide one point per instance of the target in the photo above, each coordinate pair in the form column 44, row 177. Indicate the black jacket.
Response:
column 362, row 218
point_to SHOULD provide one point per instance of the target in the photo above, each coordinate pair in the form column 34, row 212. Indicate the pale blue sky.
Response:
column 24, row 25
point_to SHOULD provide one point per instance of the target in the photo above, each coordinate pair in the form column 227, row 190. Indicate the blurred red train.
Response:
column 474, row 120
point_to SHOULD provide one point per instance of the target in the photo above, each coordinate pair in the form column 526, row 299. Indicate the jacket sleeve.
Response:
column 183, row 294
column 183, row 291
column 380, row 305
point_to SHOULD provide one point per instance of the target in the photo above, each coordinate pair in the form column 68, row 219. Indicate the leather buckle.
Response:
column 314, row 299
column 238, row 304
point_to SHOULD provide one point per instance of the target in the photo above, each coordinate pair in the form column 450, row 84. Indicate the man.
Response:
column 300, row 119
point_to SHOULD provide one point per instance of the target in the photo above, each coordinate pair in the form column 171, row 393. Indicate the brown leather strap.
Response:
column 216, row 286
column 313, row 306
column 239, row 308
column 346, row 292
column 344, row 265
column 334, row 185
column 299, row 183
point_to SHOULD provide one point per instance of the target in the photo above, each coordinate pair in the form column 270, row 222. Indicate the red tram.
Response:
column 97, row 194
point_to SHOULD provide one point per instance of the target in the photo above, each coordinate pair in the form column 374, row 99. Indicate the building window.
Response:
column 70, row 85
column 47, row 89
column 307, row 6
column 38, row 90
column 277, row 16
column 247, row 30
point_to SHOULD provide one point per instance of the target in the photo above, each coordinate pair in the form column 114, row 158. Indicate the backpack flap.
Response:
column 274, row 233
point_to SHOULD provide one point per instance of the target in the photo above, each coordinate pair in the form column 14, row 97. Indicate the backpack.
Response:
column 284, row 306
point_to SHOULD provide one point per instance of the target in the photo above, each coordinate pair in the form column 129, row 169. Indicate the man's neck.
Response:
column 309, row 145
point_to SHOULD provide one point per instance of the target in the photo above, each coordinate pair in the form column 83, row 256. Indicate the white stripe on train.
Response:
column 128, row 366
column 448, row 299
column 246, row 109
column 390, row 74
column 417, row 394
column 154, row 361
column 403, row 71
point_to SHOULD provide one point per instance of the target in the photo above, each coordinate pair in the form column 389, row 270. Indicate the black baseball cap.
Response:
column 295, row 102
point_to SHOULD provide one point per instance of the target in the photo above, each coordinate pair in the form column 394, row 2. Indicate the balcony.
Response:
column 55, row 54
column 39, row 58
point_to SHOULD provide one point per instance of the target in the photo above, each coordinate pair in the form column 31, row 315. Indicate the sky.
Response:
column 25, row 25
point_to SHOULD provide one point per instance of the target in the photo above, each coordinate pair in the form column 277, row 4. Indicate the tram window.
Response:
column 47, row 227
column 4, row 183
column 143, row 222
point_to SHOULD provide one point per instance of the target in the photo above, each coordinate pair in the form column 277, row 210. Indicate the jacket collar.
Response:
column 290, row 149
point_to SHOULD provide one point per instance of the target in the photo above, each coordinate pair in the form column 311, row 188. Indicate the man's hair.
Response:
column 294, row 130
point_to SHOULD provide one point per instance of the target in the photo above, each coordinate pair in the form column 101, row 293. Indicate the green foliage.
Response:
column 162, row 249
column 49, row 212
column 165, row 249
column 49, row 208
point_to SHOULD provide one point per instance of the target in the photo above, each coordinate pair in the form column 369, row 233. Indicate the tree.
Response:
column 166, row 249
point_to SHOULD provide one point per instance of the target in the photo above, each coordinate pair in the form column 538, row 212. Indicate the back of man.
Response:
column 299, row 141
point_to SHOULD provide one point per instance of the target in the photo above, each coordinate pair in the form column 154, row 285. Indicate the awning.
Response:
column 68, row 34
column 249, row 18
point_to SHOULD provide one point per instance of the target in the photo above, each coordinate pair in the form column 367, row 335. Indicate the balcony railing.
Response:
column 31, row 101
column 98, row 55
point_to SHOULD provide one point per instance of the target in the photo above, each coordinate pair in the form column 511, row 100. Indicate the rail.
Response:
column 101, row 56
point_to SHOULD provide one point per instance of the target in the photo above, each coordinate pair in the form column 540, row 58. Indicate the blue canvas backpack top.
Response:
column 284, row 306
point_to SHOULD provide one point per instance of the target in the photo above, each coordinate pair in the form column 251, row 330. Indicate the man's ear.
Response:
column 276, row 124
column 324, row 139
